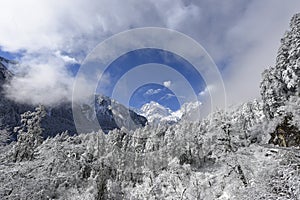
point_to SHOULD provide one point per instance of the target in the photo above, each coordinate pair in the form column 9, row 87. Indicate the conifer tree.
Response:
column 283, row 81
column 29, row 134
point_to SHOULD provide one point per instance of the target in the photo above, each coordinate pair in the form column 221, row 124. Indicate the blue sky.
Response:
column 11, row 55
column 120, row 66
column 52, row 40
column 154, row 92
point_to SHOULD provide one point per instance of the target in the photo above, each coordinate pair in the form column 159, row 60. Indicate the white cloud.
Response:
column 66, row 58
column 167, row 83
column 74, row 25
column 151, row 92
column 206, row 92
column 167, row 96
column 44, row 29
column 243, row 35
column 255, row 40
column 44, row 80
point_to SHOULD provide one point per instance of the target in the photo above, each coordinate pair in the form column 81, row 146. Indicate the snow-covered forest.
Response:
column 249, row 151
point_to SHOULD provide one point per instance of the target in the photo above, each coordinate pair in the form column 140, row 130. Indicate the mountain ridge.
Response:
column 59, row 118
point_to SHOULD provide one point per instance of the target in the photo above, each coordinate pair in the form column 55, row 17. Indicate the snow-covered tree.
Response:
column 29, row 134
column 283, row 80
column 281, row 84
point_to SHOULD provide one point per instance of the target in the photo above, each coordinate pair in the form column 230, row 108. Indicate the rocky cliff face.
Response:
column 109, row 114
column 4, row 73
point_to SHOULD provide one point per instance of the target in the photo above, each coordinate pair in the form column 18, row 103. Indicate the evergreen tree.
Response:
column 29, row 134
column 283, row 81
column 281, row 84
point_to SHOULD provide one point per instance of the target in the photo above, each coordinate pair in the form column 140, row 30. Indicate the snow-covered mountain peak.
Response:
column 157, row 113
column 152, row 108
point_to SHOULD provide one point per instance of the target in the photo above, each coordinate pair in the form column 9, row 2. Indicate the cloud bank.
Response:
column 45, row 80
column 242, row 38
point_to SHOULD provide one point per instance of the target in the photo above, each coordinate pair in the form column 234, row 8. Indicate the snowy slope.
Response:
column 187, row 160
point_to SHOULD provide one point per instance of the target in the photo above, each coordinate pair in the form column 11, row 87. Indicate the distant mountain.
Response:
column 157, row 113
column 110, row 114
